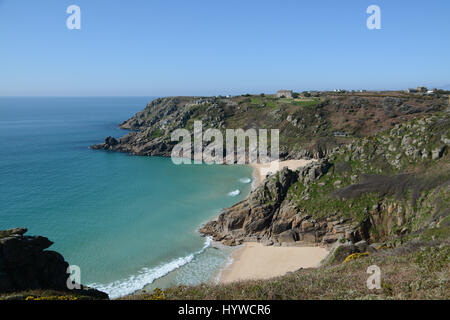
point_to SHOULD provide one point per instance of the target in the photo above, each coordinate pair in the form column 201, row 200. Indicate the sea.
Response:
column 127, row 222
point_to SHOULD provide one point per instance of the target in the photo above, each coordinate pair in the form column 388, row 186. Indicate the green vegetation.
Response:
column 418, row 270
column 367, row 177
column 157, row 133
column 437, row 233
column 46, row 295
column 307, row 103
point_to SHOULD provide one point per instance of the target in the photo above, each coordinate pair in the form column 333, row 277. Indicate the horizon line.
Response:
column 444, row 87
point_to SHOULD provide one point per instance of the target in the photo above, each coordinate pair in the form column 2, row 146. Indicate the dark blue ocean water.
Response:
column 125, row 220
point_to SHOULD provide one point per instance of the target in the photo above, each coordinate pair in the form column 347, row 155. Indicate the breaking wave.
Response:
column 245, row 180
column 146, row 276
column 234, row 193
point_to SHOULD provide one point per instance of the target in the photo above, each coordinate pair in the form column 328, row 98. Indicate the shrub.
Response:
column 355, row 256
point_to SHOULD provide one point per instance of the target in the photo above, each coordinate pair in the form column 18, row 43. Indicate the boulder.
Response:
column 281, row 227
column 313, row 171
column 10, row 232
column 288, row 236
column 437, row 153
column 331, row 238
column 111, row 141
column 25, row 264
column 257, row 225
column 306, row 226
column 310, row 237
column 341, row 252
column 362, row 246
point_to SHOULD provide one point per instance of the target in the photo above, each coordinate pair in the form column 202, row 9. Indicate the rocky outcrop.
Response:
column 406, row 144
column 339, row 251
column 151, row 128
column 304, row 131
column 26, row 264
column 268, row 216
column 369, row 207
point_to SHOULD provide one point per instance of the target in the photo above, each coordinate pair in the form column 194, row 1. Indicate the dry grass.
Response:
column 418, row 271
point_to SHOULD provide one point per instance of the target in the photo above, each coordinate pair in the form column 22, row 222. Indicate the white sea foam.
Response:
column 245, row 180
column 234, row 193
column 145, row 276
column 227, row 264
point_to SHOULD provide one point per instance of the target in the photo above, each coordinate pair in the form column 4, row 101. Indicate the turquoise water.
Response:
column 125, row 220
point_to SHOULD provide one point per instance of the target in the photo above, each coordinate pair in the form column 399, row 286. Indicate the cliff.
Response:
column 27, row 269
column 391, row 186
column 309, row 127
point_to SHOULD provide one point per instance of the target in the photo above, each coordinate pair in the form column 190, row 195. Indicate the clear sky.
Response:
column 194, row 47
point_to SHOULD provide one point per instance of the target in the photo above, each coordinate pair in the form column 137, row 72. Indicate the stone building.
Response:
column 422, row 89
column 284, row 93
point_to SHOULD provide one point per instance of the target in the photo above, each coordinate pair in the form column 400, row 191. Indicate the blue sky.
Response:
column 190, row 47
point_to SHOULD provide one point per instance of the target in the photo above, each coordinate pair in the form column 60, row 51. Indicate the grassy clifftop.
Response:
column 309, row 126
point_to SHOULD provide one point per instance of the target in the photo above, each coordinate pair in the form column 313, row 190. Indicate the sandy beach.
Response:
column 256, row 261
column 261, row 170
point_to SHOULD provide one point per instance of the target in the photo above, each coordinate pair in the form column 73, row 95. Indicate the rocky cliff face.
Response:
column 391, row 186
column 308, row 127
column 269, row 216
column 151, row 128
column 25, row 264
